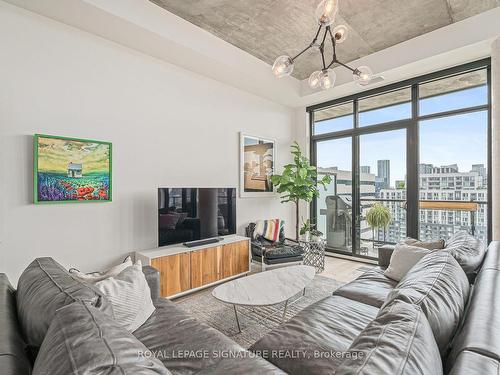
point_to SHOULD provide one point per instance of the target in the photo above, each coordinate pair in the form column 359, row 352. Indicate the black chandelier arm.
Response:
column 328, row 31
column 317, row 34
column 301, row 52
column 322, row 48
column 334, row 45
column 310, row 45
column 346, row 66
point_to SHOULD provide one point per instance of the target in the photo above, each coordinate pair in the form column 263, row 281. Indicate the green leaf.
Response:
column 299, row 180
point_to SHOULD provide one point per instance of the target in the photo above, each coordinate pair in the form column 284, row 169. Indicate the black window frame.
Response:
column 412, row 142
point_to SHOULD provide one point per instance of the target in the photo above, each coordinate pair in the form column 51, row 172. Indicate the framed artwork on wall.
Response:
column 71, row 170
column 257, row 163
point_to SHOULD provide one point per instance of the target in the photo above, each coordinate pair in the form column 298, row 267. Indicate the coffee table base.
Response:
column 282, row 318
column 237, row 320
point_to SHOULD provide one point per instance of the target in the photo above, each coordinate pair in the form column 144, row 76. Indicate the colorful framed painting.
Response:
column 71, row 170
column 257, row 163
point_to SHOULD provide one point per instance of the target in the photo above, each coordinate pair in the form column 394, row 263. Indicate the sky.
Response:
column 54, row 155
column 459, row 139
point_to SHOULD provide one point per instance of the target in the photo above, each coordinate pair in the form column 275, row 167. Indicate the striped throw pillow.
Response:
column 269, row 229
column 130, row 296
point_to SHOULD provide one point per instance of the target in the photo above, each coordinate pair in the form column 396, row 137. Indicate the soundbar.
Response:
column 202, row 242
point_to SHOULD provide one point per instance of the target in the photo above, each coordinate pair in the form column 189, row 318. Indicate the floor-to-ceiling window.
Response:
column 410, row 159
column 453, row 169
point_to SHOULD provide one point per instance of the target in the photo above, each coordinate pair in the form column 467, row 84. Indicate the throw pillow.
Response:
column 130, row 296
column 269, row 229
column 430, row 245
column 94, row 277
column 403, row 259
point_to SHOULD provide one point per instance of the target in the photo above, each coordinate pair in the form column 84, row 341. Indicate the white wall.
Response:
column 168, row 126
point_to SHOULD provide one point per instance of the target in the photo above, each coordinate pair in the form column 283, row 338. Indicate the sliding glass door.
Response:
column 334, row 206
column 382, row 190
column 411, row 159
column 365, row 156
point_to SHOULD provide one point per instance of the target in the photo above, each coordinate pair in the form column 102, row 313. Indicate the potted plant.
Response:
column 378, row 216
column 316, row 235
column 299, row 181
column 305, row 230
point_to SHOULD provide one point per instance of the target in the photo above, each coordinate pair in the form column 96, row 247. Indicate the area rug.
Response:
column 254, row 322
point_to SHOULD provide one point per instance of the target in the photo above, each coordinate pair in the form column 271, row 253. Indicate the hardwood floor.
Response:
column 344, row 270
column 340, row 269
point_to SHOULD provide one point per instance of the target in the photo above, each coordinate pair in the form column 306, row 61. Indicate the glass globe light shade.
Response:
column 327, row 79
column 326, row 11
column 283, row 66
column 340, row 33
column 314, row 79
column 362, row 75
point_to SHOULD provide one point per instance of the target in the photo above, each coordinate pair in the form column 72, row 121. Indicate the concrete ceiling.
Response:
column 269, row 28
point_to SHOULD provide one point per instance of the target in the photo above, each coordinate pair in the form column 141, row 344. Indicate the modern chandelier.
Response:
column 325, row 78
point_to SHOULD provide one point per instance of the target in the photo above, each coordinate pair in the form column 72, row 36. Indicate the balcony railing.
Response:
column 437, row 219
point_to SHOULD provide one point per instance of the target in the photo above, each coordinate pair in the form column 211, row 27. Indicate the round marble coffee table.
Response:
column 265, row 288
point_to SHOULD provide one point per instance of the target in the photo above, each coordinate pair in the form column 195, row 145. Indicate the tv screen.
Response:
column 191, row 214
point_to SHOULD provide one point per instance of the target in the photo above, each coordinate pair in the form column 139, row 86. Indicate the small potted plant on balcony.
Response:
column 299, row 181
column 378, row 217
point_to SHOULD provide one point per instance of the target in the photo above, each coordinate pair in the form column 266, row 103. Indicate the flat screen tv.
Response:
column 192, row 214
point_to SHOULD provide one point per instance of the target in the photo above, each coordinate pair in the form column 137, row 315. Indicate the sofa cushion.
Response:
column 170, row 333
column 84, row 340
column 312, row 341
column 438, row 285
column 403, row 258
column 13, row 359
column 429, row 245
column 480, row 331
column 43, row 288
column 280, row 251
column 468, row 251
column 398, row 341
column 469, row 363
column 371, row 288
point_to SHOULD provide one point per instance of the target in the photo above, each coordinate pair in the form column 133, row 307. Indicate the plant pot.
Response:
column 305, row 237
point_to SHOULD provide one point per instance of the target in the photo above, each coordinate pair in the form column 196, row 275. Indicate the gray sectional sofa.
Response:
column 55, row 324
column 442, row 317
column 437, row 319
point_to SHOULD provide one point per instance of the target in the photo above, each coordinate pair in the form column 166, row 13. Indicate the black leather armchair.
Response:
column 269, row 253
